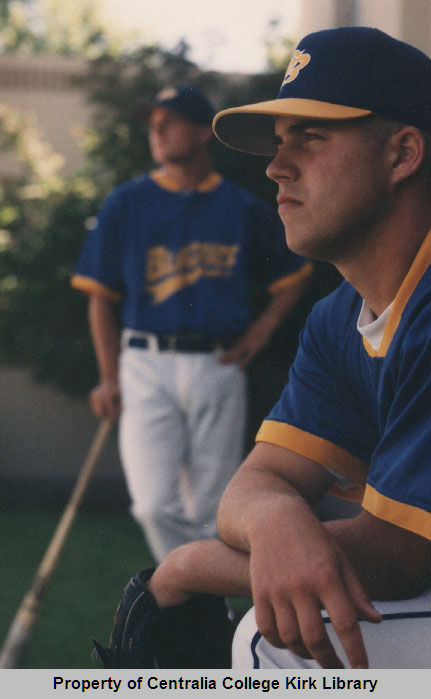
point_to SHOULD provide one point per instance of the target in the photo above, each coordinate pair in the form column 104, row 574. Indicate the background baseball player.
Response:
column 351, row 147
column 178, row 251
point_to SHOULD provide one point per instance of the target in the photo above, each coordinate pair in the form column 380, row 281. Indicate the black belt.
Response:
column 182, row 343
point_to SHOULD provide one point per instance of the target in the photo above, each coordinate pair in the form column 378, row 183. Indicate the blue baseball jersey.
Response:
column 362, row 413
column 183, row 261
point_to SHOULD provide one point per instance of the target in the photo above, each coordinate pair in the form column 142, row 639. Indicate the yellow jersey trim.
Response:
column 206, row 185
column 405, row 516
column 91, row 286
column 292, row 279
column 322, row 452
column 420, row 265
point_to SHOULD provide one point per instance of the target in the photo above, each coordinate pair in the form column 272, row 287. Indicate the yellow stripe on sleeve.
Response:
column 408, row 517
column 91, row 286
column 321, row 451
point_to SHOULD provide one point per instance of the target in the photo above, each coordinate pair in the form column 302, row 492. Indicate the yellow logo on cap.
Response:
column 298, row 61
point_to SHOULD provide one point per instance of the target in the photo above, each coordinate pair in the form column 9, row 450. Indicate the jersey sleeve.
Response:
column 398, row 486
column 98, row 270
column 318, row 416
column 277, row 267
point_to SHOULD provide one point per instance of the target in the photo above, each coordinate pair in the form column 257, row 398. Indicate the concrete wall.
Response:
column 45, row 89
column 409, row 20
column 44, row 438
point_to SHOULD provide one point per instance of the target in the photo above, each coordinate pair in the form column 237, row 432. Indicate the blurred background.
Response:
column 71, row 72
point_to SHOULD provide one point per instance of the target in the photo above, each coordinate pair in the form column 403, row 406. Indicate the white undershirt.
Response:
column 370, row 327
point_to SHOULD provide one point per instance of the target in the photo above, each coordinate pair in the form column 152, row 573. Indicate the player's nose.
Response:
column 282, row 166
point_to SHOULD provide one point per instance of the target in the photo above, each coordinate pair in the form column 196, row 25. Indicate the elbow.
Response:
column 221, row 519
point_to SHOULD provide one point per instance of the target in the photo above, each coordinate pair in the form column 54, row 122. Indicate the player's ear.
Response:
column 406, row 152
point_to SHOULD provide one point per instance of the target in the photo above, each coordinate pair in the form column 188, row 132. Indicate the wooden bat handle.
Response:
column 28, row 610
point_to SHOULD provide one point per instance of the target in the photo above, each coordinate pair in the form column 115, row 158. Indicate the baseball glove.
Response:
column 196, row 634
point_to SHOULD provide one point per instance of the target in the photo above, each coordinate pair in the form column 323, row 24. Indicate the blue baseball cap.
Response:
column 186, row 100
column 343, row 73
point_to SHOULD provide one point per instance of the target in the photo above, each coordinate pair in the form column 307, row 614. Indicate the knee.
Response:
column 153, row 513
column 145, row 514
column 244, row 641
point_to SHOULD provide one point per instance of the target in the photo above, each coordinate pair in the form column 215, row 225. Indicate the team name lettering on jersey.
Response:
column 168, row 272
column 298, row 61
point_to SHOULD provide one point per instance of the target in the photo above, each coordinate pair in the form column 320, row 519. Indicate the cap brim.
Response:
column 251, row 128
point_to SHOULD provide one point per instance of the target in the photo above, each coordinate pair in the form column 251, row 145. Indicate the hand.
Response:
column 246, row 348
column 166, row 583
column 295, row 571
column 105, row 400
column 259, row 333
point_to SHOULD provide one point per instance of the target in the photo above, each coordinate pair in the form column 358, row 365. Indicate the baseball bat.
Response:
column 28, row 611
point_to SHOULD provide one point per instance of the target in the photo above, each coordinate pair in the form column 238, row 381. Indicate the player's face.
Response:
column 333, row 185
column 173, row 139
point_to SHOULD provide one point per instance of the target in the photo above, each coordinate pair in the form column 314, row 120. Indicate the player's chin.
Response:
column 297, row 241
column 310, row 246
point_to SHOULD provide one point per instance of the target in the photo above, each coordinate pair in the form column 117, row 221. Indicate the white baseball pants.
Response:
column 400, row 641
column 181, row 440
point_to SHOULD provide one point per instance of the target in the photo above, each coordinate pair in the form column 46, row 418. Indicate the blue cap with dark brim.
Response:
column 343, row 73
column 186, row 100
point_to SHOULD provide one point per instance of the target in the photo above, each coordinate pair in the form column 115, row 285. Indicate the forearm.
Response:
column 296, row 566
column 105, row 334
column 208, row 566
column 259, row 497
column 280, row 303
column 261, row 329
column 261, row 508
column 286, row 298
column 105, row 399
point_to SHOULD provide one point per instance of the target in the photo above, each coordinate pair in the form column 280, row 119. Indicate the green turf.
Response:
column 101, row 553
column 103, row 550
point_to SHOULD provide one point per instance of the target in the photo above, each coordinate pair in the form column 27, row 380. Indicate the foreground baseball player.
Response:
column 350, row 137
column 180, row 251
